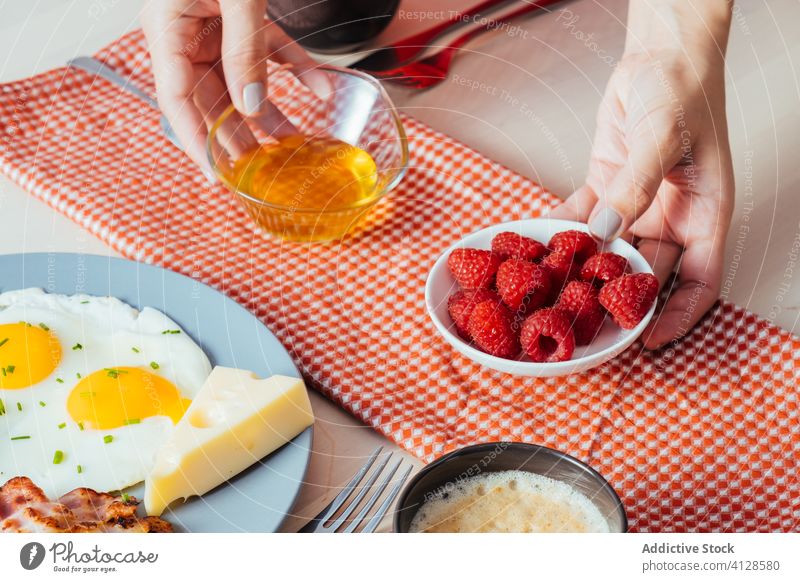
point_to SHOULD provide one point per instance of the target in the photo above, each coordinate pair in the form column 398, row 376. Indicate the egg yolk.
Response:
column 115, row 397
column 28, row 354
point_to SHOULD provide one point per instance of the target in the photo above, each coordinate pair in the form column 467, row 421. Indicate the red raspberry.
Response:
column 579, row 301
column 562, row 269
column 574, row 243
column 491, row 326
column 461, row 304
column 473, row 268
column 629, row 298
column 512, row 245
column 547, row 336
column 604, row 267
column 523, row 286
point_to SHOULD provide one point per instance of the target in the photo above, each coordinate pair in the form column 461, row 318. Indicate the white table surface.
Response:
column 538, row 90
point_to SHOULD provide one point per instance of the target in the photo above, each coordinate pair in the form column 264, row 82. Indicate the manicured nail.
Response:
column 606, row 224
column 253, row 98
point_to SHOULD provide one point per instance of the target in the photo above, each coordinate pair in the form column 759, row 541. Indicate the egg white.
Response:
column 108, row 331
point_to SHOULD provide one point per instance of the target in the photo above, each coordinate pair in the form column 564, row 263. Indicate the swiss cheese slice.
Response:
column 234, row 421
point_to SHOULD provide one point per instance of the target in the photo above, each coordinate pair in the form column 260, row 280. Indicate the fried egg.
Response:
column 90, row 388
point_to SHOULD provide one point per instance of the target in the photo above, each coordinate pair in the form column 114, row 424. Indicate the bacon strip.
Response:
column 24, row 508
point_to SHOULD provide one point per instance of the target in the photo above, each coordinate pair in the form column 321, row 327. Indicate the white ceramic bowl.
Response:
column 610, row 342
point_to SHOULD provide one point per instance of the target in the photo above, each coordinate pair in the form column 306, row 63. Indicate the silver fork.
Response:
column 318, row 524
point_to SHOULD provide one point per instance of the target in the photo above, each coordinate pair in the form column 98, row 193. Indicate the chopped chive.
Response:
column 154, row 365
column 42, row 404
column 133, row 421
column 19, row 406
column 20, row 438
column 2, row 407
column 3, row 342
column 126, row 498
column 59, row 380
column 58, row 457
column 80, row 469
column 10, row 368
column 80, row 425
column 78, row 374
column 77, row 347
column 84, row 302
column 62, row 425
column 114, row 373
column 108, row 438
column 135, row 349
column 3, row 370
column 44, row 327
column 170, row 332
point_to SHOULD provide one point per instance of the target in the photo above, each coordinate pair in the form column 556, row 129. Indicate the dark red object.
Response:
column 547, row 336
column 491, row 326
column 473, row 268
column 629, row 298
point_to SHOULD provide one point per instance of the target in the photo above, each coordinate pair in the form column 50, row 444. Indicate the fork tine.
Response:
column 347, row 511
column 345, row 493
column 373, row 499
column 376, row 519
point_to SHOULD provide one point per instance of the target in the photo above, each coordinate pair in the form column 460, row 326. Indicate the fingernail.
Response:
column 606, row 224
column 253, row 98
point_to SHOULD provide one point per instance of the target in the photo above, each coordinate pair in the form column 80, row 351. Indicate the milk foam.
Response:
column 509, row 501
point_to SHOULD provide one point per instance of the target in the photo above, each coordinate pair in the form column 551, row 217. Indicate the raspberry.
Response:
column 562, row 269
column 579, row 301
column 547, row 336
column 604, row 267
column 523, row 286
column 629, row 298
column 461, row 304
column 510, row 245
column 473, row 268
column 491, row 326
column 574, row 243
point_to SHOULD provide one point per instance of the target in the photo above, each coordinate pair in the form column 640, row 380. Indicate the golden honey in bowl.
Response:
column 318, row 183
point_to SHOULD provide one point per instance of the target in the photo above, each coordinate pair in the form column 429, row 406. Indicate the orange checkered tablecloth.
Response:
column 703, row 436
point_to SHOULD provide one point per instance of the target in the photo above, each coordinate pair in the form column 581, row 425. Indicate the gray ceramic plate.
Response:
column 256, row 500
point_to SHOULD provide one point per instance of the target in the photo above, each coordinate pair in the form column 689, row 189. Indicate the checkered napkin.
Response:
column 702, row 436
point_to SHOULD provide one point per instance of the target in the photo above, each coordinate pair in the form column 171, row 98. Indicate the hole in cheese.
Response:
column 200, row 419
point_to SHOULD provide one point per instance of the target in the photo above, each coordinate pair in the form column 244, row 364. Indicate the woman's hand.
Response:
column 209, row 53
column 660, row 169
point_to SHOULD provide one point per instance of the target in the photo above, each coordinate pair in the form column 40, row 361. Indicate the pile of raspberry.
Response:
column 523, row 297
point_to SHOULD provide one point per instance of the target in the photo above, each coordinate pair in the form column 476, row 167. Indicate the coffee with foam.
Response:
column 508, row 501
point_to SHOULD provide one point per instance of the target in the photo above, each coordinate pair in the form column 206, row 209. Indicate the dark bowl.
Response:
column 492, row 457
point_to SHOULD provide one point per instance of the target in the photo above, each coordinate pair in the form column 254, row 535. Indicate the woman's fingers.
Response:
column 286, row 51
column 244, row 53
column 578, row 206
column 699, row 272
column 662, row 257
column 653, row 152
column 175, row 80
column 212, row 99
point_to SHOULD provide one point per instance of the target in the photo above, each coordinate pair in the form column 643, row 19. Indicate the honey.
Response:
column 306, row 188
column 298, row 172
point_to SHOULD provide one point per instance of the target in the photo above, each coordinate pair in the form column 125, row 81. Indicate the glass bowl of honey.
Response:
column 312, row 167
